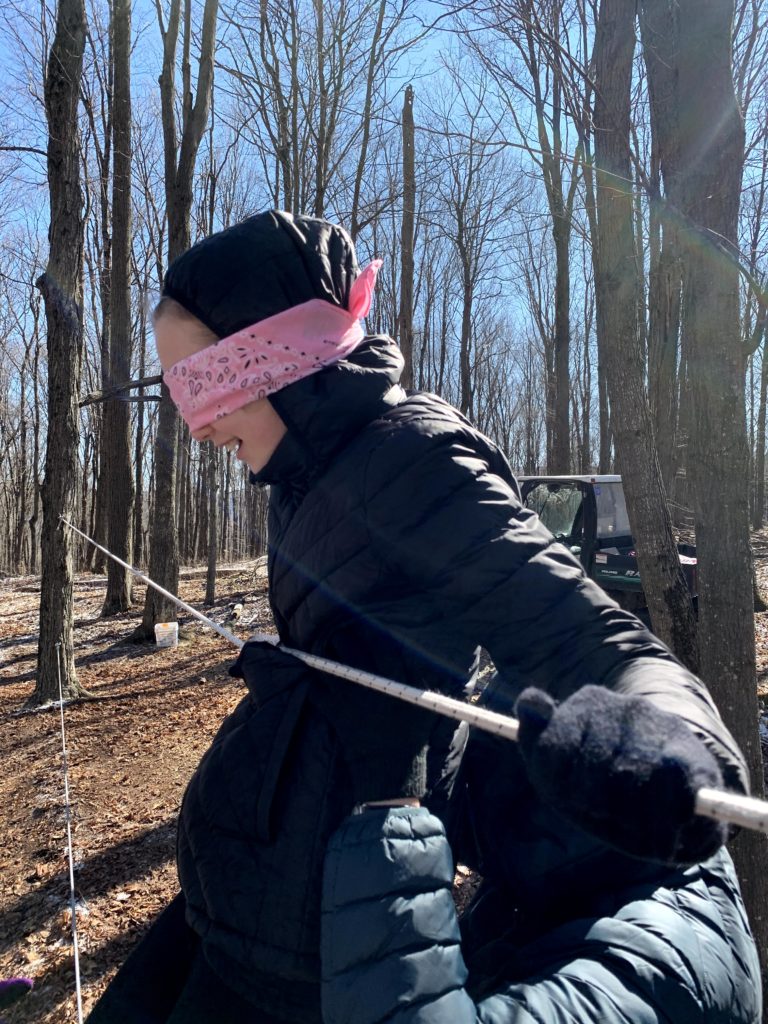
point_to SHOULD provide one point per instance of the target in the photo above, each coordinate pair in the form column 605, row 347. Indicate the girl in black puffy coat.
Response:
column 397, row 544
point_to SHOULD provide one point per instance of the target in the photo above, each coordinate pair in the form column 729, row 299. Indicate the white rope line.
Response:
column 68, row 819
column 161, row 590
column 731, row 808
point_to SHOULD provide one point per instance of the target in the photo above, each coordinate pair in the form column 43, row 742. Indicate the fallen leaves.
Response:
column 131, row 751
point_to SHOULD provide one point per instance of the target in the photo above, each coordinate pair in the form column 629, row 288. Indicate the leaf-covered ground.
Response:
column 131, row 749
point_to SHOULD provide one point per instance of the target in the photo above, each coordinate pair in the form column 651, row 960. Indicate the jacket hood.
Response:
column 260, row 267
column 324, row 411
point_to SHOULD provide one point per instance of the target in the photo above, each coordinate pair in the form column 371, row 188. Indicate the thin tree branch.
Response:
column 23, row 149
column 103, row 396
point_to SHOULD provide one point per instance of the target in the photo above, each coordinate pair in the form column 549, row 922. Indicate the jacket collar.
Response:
column 324, row 411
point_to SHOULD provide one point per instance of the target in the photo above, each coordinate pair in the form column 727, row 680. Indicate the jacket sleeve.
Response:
column 461, row 535
column 680, row 954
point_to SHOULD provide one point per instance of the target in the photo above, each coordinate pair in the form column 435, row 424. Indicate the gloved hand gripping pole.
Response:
column 746, row 812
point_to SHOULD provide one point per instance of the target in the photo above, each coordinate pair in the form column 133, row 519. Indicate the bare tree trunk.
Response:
column 182, row 484
column 189, row 506
column 561, row 446
column 226, row 528
column 103, row 243
column 97, row 559
column 138, row 465
column 664, row 328
column 668, row 598
column 758, row 516
column 444, row 321
column 180, row 156
column 61, row 287
column 640, row 290
column 465, row 341
column 660, row 27
column 560, row 202
column 35, row 455
column 21, row 503
column 757, row 335
column 712, row 145
column 405, row 320
column 362, row 159
column 604, row 457
column 213, row 524
column 117, row 418
column 585, row 453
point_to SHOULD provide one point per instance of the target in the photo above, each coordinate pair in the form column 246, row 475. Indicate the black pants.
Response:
column 166, row 980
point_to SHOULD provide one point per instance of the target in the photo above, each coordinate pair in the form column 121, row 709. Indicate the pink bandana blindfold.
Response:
column 269, row 355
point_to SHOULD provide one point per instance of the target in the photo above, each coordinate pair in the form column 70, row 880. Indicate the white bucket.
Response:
column 167, row 634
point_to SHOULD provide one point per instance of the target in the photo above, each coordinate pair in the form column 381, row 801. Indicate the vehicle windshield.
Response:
column 557, row 506
column 612, row 519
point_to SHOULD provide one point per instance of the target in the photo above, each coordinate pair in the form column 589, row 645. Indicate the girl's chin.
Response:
column 253, row 465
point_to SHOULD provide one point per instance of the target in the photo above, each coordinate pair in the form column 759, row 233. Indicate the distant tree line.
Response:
column 304, row 110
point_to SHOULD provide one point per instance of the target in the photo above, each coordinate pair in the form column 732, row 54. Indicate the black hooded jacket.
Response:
column 398, row 544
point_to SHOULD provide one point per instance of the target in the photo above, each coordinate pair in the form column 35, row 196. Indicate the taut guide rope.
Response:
column 744, row 811
column 68, row 819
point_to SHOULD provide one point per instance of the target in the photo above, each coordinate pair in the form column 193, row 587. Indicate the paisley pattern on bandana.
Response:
column 269, row 355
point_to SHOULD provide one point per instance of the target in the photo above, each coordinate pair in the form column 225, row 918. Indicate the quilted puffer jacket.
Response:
column 669, row 948
column 398, row 544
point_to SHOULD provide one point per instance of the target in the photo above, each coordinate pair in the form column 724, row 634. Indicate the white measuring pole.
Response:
column 482, row 718
column 68, row 819
column 491, row 721
column 747, row 812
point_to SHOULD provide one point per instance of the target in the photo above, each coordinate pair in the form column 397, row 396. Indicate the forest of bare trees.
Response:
column 301, row 107
column 569, row 198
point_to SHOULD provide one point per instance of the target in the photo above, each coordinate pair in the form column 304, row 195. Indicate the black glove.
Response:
column 383, row 741
column 622, row 770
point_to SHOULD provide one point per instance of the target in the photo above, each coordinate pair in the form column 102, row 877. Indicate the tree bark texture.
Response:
column 465, row 340
column 366, row 120
column 117, row 418
column 35, row 457
column 560, row 203
column 758, row 515
column 561, row 426
column 61, row 287
column 100, row 118
column 604, row 456
column 180, row 156
column 22, row 486
column 664, row 585
column 660, row 27
column 712, row 147
column 213, row 524
column 405, row 319
column 138, row 487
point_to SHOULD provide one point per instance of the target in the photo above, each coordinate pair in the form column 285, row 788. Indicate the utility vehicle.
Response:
column 589, row 515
